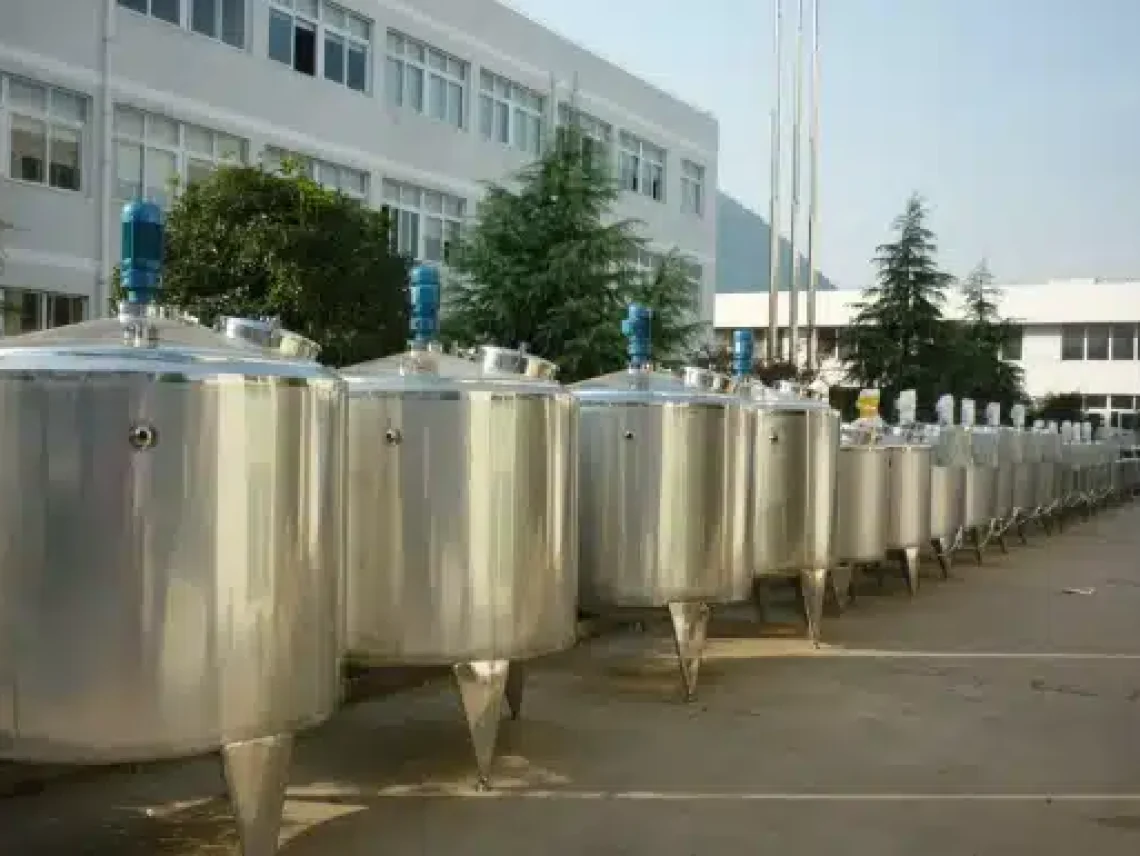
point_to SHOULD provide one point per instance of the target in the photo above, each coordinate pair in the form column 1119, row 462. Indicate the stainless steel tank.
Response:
column 462, row 522
column 172, row 547
column 909, row 482
column 862, row 496
column 980, row 495
column 656, row 493
column 1009, row 453
column 952, row 457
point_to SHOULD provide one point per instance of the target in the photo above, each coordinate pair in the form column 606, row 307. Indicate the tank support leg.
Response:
column 979, row 544
column 690, row 620
column 760, row 599
column 813, row 591
column 909, row 560
column 1022, row 521
column 257, row 773
column 516, row 677
column 941, row 547
column 482, row 687
column 839, row 594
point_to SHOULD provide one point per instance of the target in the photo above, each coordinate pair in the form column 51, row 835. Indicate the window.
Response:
column 1124, row 341
column 45, row 129
column 1121, row 402
column 597, row 136
column 1072, row 342
column 695, row 273
column 1095, row 402
column 427, row 222
column 827, row 343
column 311, row 34
column 155, row 154
column 26, row 311
column 645, row 261
column 1097, row 336
column 642, row 167
column 349, row 181
column 1011, row 347
column 425, row 80
column 510, row 114
column 692, row 188
column 223, row 20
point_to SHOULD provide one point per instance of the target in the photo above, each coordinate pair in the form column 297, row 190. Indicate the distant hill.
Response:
column 742, row 241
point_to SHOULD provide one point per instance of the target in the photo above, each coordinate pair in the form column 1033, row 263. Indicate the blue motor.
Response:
column 742, row 353
column 424, row 296
column 142, row 247
column 636, row 327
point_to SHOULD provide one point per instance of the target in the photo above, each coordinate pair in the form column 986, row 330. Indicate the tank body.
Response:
column 657, row 491
column 950, row 460
column 862, row 498
column 1028, row 474
column 979, row 495
column 909, row 495
column 462, row 528
column 795, row 461
column 171, row 561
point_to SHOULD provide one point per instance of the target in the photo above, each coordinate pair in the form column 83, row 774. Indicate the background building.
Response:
column 407, row 104
column 1074, row 336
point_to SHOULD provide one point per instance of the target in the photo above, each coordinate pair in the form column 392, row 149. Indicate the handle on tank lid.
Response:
column 1017, row 416
column 945, row 409
column 993, row 414
column 637, row 329
column 743, row 348
column 968, row 416
column 423, row 292
column 142, row 235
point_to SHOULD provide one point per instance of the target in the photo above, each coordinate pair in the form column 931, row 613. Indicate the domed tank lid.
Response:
column 147, row 337
column 425, row 365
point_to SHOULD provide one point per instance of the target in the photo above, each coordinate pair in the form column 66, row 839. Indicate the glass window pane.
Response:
column 160, row 170
column 359, row 28
column 230, row 148
column 357, row 68
column 280, row 37
column 410, row 196
column 198, row 170
column 334, row 16
column 433, row 239
column 307, row 7
column 486, row 116
column 1072, row 342
column 415, row 88
column 395, row 43
column 161, row 131
column 1097, row 347
column 204, row 17
column 233, row 22
column 433, row 202
column 437, row 91
column 452, row 206
column 503, row 122
column 395, row 81
column 391, row 191
column 1124, row 341
column 128, row 171
column 128, row 123
column 199, row 140
column 334, row 58
column 165, row 10
column 27, row 96
column 29, row 149
column 455, row 104
column 65, row 105
column 65, row 169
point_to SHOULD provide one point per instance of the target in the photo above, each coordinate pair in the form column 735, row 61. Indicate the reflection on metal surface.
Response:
column 482, row 686
column 690, row 621
column 257, row 772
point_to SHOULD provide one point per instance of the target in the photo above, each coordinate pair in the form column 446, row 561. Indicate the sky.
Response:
column 1017, row 120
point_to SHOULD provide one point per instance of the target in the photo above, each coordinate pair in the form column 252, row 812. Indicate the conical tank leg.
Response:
column 257, row 772
column 839, row 594
column 909, row 561
column 941, row 547
column 813, row 592
column 516, row 677
column 482, row 687
column 690, row 620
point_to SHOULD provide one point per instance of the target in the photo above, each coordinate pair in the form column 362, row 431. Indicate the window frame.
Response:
column 184, row 155
column 314, row 167
column 318, row 22
column 1106, row 329
column 43, row 309
column 419, row 212
column 432, row 64
column 643, row 155
column 522, row 104
column 49, row 120
column 1069, row 333
column 595, row 132
column 186, row 19
column 692, row 188
column 1113, row 338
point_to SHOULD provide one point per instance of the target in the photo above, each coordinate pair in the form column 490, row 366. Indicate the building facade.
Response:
column 1073, row 336
column 410, row 105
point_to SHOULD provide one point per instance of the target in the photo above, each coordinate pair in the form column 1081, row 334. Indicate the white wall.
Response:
column 62, row 245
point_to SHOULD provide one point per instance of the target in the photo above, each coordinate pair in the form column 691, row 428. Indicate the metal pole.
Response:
column 797, row 145
column 813, row 200
column 774, row 197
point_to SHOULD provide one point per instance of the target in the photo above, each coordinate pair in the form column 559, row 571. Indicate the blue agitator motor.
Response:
column 636, row 327
column 142, row 246
column 742, row 353
column 424, row 295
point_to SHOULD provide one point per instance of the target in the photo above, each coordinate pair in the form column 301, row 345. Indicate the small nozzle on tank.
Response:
column 908, row 406
column 424, row 291
column 968, row 416
column 636, row 327
column 945, row 409
column 743, row 348
column 1017, row 416
column 993, row 414
column 142, row 244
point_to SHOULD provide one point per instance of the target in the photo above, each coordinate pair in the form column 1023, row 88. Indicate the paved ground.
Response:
column 995, row 714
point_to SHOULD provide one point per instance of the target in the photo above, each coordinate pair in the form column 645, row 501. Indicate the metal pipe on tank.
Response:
column 774, row 195
column 813, row 190
column 797, row 145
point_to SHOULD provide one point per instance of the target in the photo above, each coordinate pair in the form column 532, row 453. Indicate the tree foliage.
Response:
column 249, row 242
column 546, row 265
column 900, row 339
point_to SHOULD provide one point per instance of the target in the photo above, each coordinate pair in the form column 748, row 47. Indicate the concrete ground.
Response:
column 993, row 714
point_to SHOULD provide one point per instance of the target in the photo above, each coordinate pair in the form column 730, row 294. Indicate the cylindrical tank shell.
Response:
column 1003, row 490
column 862, row 496
column 947, row 489
column 909, row 495
column 462, row 527
column 656, row 491
column 172, row 552
column 978, row 496
column 794, row 478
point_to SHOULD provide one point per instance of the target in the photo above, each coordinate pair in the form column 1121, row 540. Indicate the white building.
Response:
column 1075, row 336
column 408, row 104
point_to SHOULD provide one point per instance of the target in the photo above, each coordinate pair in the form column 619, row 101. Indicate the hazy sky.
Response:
column 1018, row 120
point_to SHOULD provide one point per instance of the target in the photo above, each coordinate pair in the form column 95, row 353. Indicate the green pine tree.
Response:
column 980, row 370
column 897, row 338
column 545, row 264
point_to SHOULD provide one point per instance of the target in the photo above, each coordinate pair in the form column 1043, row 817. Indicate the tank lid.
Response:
column 431, row 365
column 644, row 384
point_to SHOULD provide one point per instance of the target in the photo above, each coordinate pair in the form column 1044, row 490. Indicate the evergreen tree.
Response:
column 980, row 371
column 897, row 338
column 545, row 264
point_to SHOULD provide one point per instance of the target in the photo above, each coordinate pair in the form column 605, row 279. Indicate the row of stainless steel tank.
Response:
column 202, row 526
